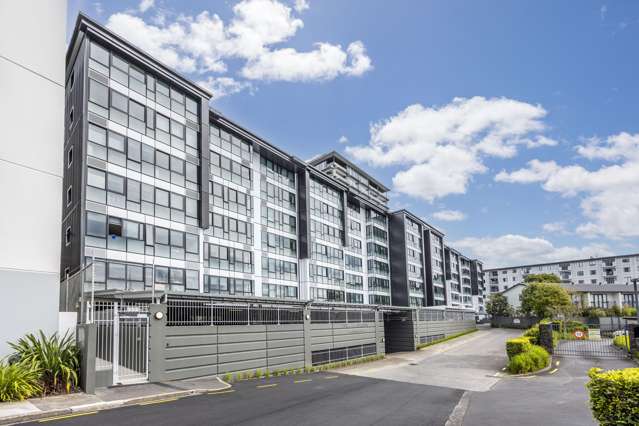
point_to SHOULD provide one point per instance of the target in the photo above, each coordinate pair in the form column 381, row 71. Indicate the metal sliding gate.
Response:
column 593, row 340
column 122, row 340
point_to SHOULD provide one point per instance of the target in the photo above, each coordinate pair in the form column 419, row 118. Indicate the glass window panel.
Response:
column 99, row 54
column 119, row 101
column 161, row 236
column 117, row 271
column 115, row 183
column 162, row 197
column 96, row 178
column 116, row 141
column 97, row 134
column 162, row 159
column 133, row 150
column 98, row 93
column 96, row 224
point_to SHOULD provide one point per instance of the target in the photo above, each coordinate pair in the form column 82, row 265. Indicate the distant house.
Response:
column 513, row 295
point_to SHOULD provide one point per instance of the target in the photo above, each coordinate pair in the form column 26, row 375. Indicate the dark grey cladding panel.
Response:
column 303, row 214
column 398, row 264
column 428, row 263
column 205, row 164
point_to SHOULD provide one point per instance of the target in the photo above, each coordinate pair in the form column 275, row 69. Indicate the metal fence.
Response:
column 342, row 354
column 184, row 312
column 444, row 315
column 341, row 316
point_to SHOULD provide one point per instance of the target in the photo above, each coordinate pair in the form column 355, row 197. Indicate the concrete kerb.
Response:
column 534, row 373
column 107, row 405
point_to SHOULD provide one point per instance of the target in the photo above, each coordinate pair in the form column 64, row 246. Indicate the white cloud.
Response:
column 146, row 5
column 224, row 86
column 204, row 43
column 603, row 11
column 301, row 5
column 441, row 148
column 510, row 249
column 555, row 228
column 343, row 139
column 608, row 195
column 325, row 62
column 449, row 215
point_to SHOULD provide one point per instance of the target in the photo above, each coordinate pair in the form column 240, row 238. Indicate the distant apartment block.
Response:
column 598, row 282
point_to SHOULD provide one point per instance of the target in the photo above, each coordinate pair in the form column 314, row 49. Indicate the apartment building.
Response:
column 31, row 73
column 161, row 192
column 599, row 282
column 477, row 286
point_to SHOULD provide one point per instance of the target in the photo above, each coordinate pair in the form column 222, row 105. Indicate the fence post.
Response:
column 545, row 337
column 86, row 340
column 157, row 339
column 308, row 354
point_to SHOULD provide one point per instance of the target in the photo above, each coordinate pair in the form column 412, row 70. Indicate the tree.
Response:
column 544, row 299
column 541, row 278
column 498, row 306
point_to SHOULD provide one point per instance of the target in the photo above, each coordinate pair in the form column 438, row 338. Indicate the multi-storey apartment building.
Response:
column 161, row 192
column 359, row 212
column 478, row 286
column 600, row 282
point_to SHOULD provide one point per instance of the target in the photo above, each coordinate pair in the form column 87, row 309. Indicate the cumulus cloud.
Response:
column 224, row 86
column 343, row 139
column 301, row 5
column 204, row 43
column 555, row 228
column 441, row 148
column 512, row 249
column 607, row 195
column 449, row 215
column 146, row 5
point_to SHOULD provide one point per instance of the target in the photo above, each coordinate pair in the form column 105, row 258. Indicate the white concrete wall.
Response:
column 32, row 56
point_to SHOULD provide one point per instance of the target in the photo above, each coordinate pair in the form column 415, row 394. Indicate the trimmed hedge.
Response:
column 517, row 346
column 533, row 359
column 614, row 396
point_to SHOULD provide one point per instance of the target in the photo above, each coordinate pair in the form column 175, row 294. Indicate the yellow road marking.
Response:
column 66, row 416
column 331, row 377
column 161, row 401
column 272, row 385
column 302, row 381
column 553, row 371
column 221, row 392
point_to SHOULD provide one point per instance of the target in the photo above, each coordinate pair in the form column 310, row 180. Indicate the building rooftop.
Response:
column 563, row 261
column 340, row 158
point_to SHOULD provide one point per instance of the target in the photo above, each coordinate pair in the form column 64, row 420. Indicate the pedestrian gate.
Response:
column 592, row 340
column 122, row 340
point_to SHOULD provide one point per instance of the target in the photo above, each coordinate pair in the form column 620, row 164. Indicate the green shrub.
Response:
column 628, row 311
column 57, row 359
column 533, row 334
column 258, row 373
column 228, row 377
column 614, row 396
column 533, row 359
column 267, row 373
column 517, row 345
column 19, row 381
column 622, row 342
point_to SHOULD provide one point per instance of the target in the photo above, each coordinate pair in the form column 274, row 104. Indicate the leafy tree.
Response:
column 545, row 299
column 498, row 305
column 541, row 278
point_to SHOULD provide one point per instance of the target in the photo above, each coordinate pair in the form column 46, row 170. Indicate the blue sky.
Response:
column 512, row 126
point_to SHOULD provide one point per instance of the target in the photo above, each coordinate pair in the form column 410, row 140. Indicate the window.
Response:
column 69, row 196
column 115, row 227
column 70, row 157
column 98, row 98
column 96, row 225
column 71, row 118
column 67, row 236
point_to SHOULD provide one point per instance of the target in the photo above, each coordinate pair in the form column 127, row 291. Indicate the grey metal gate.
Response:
column 592, row 340
column 122, row 340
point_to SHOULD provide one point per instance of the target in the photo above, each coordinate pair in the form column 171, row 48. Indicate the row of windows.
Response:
column 326, row 295
column 122, row 110
column 415, row 286
column 377, row 217
column 326, row 211
column 279, row 220
column 376, row 234
column 355, row 245
column 279, row 269
column 279, row 291
column 416, row 301
column 378, row 284
column 118, row 191
column 230, row 170
column 415, row 271
column 327, row 254
column 277, row 172
column 354, row 281
column 325, row 275
column 326, row 232
column 413, row 240
column 130, row 276
column 377, row 267
column 227, row 286
column 355, row 227
column 230, row 199
column 140, row 238
column 128, row 75
column 228, row 258
column 142, row 158
column 354, row 298
column 278, row 244
column 277, row 196
column 376, row 299
column 230, row 229
column 326, row 192
column 229, row 143
column 353, row 263
column 376, row 250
